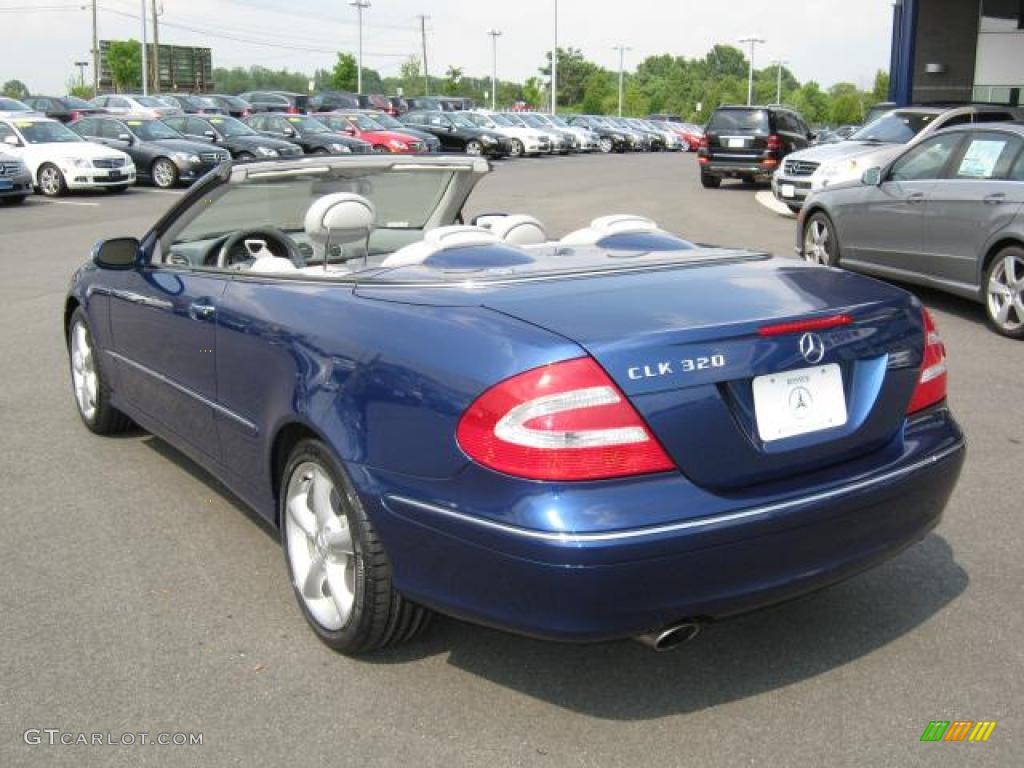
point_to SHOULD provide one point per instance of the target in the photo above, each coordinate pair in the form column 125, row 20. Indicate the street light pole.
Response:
column 753, row 40
column 622, row 56
column 495, row 34
column 778, row 79
column 81, row 72
column 95, row 55
column 554, row 67
column 423, row 34
column 359, row 5
column 145, row 44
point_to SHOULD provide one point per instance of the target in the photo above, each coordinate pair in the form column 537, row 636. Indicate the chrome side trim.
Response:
column 186, row 391
column 657, row 530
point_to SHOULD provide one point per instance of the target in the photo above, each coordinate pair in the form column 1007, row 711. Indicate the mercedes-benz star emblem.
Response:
column 800, row 402
column 812, row 348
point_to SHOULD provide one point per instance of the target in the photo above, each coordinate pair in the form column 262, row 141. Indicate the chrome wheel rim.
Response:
column 817, row 237
column 473, row 148
column 517, row 149
column 606, row 145
column 49, row 181
column 83, row 372
column 163, row 174
column 320, row 549
column 1006, row 293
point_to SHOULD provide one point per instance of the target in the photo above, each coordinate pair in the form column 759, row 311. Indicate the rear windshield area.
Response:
column 740, row 121
column 894, row 128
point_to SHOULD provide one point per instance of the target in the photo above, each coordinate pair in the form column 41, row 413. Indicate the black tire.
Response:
column 245, row 157
column 820, row 229
column 163, row 173
column 710, row 182
column 1013, row 326
column 51, row 181
column 380, row 617
column 13, row 200
column 105, row 419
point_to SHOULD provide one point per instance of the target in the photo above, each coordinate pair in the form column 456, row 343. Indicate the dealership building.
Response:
column 958, row 51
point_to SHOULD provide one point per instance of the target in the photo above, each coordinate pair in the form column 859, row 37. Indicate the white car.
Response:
column 588, row 140
column 135, row 105
column 525, row 141
column 14, row 108
column 61, row 160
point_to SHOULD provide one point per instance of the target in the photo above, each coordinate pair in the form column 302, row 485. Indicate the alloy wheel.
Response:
column 818, row 241
column 163, row 174
column 49, row 181
column 517, row 148
column 83, row 372
column 606, row 145
column 320, row 547
column 474, row 148
column 1005, row 293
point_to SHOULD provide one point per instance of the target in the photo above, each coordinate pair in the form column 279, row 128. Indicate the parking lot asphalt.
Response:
column 138, row 596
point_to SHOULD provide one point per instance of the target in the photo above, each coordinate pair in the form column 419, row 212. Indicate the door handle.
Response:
column 916, row 197
column 995, row 198
column 201, row 309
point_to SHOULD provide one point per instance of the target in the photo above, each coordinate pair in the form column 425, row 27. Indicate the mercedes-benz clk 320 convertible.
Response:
column 614, row 434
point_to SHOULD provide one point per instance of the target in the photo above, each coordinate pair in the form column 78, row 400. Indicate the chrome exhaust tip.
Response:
column 670, row 637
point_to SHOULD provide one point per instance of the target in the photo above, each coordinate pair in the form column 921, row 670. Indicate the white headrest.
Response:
column 519, row 229
column 440, row 239
column 272, row 264
column 343, row 217
column 605, row 226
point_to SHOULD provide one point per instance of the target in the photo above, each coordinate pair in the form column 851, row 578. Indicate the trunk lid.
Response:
column 684, row 346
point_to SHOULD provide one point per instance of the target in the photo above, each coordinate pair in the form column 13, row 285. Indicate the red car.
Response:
column 688, row 132
column 362, row 127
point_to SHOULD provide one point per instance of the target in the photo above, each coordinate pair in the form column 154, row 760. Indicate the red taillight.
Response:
column 774, row 143
column 293, row 110
column 704, row 143
column 802, row 326
column 246, row 112
column 75, row 116
column 565, row 421
column 931, row 384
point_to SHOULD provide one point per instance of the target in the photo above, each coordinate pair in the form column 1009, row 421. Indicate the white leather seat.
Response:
column 272, row 265
column 343, row 217
column 606, row 226
column 440, row 239
column 519, row 229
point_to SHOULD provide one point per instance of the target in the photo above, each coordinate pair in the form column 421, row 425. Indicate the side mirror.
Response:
column 289, row 131
column 116, row 253
column 210, row 135
column 451, row 128
column 12, row 141
column 125, row 137
column 350, row 130
column 872, row 177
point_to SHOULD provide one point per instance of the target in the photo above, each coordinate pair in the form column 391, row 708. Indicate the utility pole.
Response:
column 81, row 72
column 145, row 44
column 752, row 40
column 359, row 5
column 156, row 50
column 95, row 54
column 554, row 67
column 423, row 34
column 495, row 34
column 778, row 79
column 622, row 55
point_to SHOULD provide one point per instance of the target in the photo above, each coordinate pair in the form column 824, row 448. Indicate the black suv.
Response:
column 748, row 143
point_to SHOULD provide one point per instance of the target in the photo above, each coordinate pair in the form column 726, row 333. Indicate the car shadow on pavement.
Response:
column 731, row 660
column 965, row 309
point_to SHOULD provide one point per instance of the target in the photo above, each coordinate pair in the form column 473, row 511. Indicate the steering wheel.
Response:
column 268, row 234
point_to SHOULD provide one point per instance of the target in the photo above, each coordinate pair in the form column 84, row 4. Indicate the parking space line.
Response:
column 767, row 199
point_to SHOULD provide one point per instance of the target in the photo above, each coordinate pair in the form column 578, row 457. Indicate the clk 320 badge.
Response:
column 668, row 368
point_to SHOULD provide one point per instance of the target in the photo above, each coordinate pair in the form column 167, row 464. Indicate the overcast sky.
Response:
column 824, row 40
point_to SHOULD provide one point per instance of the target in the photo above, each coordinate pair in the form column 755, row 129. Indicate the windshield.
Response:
column 402, row 199
column 46, row 133
column 558, row 121
column 308, row 125
column 894, row 128
column 386, row 121
column 364, row 123
column 13, row 105
column 740, row 120
column 229, row 127
column 232, row 101
column 462, row 121
column 152, row 130
column 502, row 121
column 532, row 121
column 481, row 120
column 76, row 103
column 149, row 101
column 516, row 120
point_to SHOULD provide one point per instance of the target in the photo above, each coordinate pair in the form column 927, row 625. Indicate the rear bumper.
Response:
column 737, row 168
column 606, row 584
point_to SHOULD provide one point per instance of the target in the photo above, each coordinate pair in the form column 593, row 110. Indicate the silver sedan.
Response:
column 947, row 213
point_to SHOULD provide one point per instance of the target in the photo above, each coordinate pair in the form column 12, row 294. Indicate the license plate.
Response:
column 797, row 402
column 788, row 190
column 735, row 143
column 6, row 184
column 114, row 175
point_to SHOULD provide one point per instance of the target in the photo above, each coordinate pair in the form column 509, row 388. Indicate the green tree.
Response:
column 812, row 102
column 881, row 90
column 595, row 91
column 846, row 109
column 573, row 71
column 452, row 78
column 533, row 92
column 15, row 89
column 344, row 76
column 124, row 59
column 73, row 88
column 411, row 80
column 726, row 61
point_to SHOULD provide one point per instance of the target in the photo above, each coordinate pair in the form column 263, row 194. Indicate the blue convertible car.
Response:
column 613, row 434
